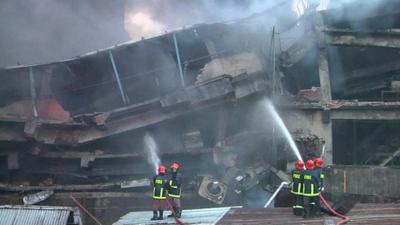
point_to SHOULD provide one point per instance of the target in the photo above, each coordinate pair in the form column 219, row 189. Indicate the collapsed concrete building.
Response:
column 77, row 127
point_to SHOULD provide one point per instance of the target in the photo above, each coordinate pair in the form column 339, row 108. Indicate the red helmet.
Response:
column 162, row 170
column 310, row 164
column 175, row 165
column 319, row 163
column 300, row 165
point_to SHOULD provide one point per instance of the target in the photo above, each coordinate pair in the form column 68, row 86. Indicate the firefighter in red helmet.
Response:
column 310, row 189
column 159, row 193
column 174, row 190
column 297, row 188
column 319, row 163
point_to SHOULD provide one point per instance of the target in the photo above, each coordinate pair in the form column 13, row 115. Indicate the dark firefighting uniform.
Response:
column 159, row 195
column 297, row 191
column 174, row 192
column 311, row 191
column 321, row 177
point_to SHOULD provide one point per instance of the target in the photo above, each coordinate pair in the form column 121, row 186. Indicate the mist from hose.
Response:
column 282, row 128
column 152, row 151
column 323, row 151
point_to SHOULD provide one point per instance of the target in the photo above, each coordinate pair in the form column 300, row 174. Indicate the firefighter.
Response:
column 297, row 187
column 310, row 189
column 159, row 193
column 174, row 190
column 319, row 163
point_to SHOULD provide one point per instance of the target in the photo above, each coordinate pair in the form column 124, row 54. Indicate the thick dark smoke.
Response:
column 38, row 31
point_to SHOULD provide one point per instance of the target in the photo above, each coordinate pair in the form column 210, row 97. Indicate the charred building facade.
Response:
column 78, row 127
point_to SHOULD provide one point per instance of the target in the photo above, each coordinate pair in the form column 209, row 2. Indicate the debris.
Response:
column 37, row 197
column 232, row 65
column 309, row 95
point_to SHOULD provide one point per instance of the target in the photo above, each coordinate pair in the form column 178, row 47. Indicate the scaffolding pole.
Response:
column 178, row 59
column 116, row 74
column 33, row 92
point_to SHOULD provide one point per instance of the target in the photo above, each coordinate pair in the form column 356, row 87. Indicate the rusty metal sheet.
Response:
column 22, row 215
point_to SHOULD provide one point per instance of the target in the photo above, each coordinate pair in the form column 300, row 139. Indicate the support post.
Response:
column 355, row 162
column 116, row 74
column 178, row 59
column 33, row 92
column 325, row 84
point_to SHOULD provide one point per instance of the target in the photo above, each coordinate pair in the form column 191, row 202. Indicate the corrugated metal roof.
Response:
column 208, row 216
column 365, row 214
column 34, row 215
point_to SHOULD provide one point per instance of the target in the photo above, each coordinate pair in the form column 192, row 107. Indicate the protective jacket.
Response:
column 297, row 182
column 321, row 177
column 159, row 187
column 174, row 185
column 311, row 183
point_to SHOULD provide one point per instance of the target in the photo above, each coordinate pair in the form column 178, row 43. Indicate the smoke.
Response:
column 152, row 151
column 49, row 30
column 146, row 18
column 141, row 24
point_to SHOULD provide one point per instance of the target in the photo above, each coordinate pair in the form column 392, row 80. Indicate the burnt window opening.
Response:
column 304, row 74
column 365, row 73
column 357, row 142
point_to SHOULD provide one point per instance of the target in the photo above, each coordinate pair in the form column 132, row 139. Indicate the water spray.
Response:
column 152, row 151
column 283, row 128
column 285, row 131
column 323, row 151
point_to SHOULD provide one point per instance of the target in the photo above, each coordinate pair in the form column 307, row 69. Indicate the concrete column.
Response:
column 325, row 84
column 324, row 76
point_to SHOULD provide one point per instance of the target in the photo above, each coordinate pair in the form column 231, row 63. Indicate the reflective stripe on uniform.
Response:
column 174, row 196
column 312, row 194
column 297, row 207
column 159, row 181
column 175, row 187
column 170, row 184
column 160, row 197
column 299, row 191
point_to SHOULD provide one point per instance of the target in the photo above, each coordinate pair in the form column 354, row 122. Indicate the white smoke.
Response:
column 142, row 24
column 147, row 18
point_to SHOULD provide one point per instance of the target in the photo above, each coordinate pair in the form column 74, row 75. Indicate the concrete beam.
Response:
column 77, row 187
column 385, row 39
column 197, row 97
column 366, row 114
column 90, row 156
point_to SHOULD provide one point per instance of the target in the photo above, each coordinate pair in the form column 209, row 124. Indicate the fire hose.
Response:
column 178, row 221
column 345, row 218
